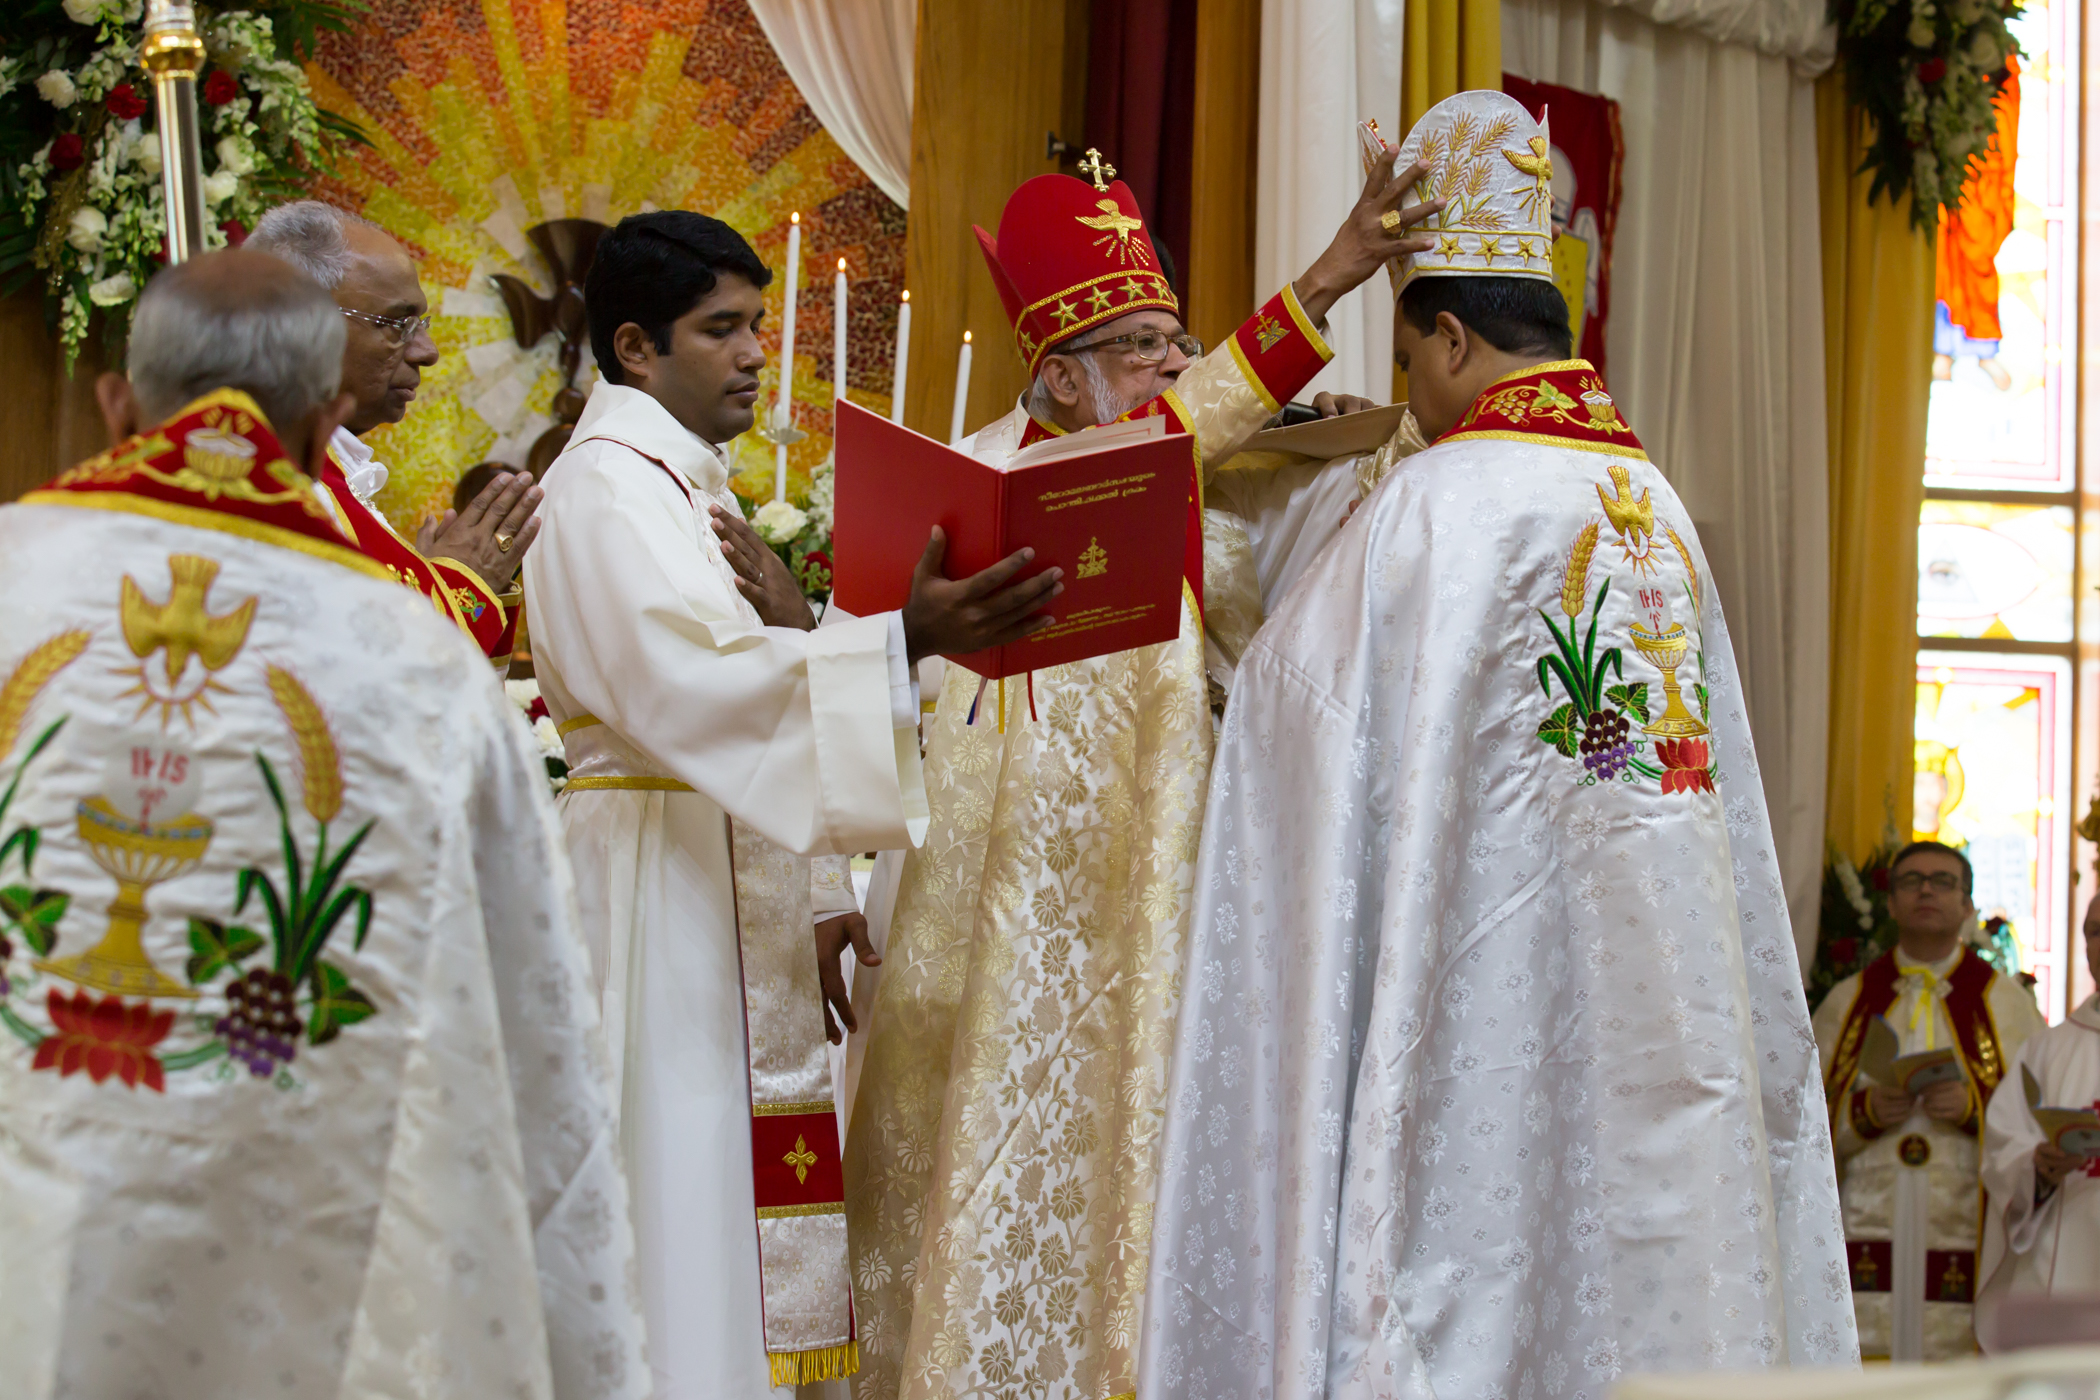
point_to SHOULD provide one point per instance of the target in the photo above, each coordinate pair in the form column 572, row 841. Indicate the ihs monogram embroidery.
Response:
column 271, row 987
column 1093, row 560
column 1596, row 722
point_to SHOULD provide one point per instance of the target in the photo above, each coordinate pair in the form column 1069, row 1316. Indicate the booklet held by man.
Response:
column 1109, row 506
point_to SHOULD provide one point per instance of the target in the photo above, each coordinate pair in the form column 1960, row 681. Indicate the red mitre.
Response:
column 1070, row 256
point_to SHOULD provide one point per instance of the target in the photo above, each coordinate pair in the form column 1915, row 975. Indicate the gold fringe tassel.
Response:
column 823, row 1364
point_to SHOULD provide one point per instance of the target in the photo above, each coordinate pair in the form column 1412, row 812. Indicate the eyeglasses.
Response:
column 1940, row 881
column 1149, row 346
column 398, row 330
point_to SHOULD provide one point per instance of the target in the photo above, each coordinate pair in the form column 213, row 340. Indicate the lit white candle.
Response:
column 783, row 406
column 838, row 335
column 903, row 358
column 962, row 392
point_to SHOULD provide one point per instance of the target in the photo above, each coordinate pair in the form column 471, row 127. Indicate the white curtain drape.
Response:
column 1715, row 350
column 1310, row 172
column 852, row 61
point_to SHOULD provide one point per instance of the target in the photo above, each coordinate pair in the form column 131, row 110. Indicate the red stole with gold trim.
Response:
column 1968, row 1008
column 1563, row 403
column 456, row 591
column 216, row 465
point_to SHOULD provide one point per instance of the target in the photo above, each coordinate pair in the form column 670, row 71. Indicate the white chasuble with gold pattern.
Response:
column 301, row 1086
column 1494, row 1075
column 1000, row 1156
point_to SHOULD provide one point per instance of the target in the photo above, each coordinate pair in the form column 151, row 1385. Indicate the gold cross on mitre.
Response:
column 1097, row 169
column 801, row 1159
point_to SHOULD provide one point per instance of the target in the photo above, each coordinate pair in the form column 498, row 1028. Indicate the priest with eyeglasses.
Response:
column 1908, row 1161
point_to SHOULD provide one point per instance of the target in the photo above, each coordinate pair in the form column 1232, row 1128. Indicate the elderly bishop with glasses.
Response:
column 1000, row 1160
column 465, row 563
column 1907, row 1148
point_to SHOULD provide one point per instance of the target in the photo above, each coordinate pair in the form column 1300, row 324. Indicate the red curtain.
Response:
column 1140, row 106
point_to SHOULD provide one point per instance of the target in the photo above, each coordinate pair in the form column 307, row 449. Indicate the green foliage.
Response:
column 1563, row 730
column 34, row 914
column 216, row 948
column 336, row 1004
column 1580, row 672
column 1631, row 698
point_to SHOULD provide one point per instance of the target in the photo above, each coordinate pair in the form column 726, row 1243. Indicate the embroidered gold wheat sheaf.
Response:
column 1575, row 584
column 31, row 675
column 320, row 765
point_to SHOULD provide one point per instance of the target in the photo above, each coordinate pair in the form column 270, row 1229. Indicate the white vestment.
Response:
column 401, row 1178
column 1494, row 1074
column 662, row 679
column 2053, row 1247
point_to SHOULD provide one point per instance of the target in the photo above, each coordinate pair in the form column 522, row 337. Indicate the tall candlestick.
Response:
column 962, row 392
column 838, row 335
column 783, row 409
column 903, row 359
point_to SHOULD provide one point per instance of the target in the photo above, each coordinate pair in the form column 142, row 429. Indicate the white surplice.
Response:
column 2053, row 1247
column 809, row 738
column 419, row 1191
column 1494, row 1076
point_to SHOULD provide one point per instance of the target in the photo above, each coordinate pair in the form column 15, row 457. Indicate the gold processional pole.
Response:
column 174, row 54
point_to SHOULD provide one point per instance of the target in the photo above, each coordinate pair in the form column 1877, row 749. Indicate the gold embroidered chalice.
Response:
column 138, row 855
column 1665, row 651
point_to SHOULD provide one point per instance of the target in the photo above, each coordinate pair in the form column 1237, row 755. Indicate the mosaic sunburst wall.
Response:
column 489, row 116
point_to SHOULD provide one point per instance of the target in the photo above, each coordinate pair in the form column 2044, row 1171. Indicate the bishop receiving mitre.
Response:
column 1000, row 1158
column 1494, row 1075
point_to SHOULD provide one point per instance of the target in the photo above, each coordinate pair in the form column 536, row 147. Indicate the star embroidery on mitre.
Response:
column 1100, row 297
column 1134, row 288
column 1067, row 314
column 1539, row 166
column 1447, row 246
column 1489, row 246
column 1526, row 249
column 1118, row 227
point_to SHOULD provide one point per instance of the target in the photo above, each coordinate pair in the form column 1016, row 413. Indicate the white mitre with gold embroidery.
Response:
column 1493, row 165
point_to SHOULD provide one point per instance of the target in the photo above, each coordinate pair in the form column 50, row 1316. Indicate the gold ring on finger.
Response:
column 504, row 541
column 1390, row 221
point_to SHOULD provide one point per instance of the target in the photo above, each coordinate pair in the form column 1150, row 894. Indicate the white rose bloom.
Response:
column 220, row 186
column 113, row 291
column 56, row 88
column 549, row 736
column 146, row 152
column 1984, row 51
column 1921, row 34
column 777, row 522
column 235, row 155
column 83, row 11
column 86, row 229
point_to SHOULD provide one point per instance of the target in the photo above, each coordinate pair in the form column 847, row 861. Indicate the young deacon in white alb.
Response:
column 1493, row 1075
column 2041, row 1227
column 301, row 1088
column 715, row 745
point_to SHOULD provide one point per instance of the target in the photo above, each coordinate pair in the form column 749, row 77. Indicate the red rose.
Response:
column 818, row 556
column 220, row 88
column 68, row 152
column 1843, row 951
column 236, row 232
column 1932, row 70
column 124, row 102
column 537, row 710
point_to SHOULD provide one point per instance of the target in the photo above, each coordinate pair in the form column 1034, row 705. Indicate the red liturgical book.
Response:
column 1109, row 506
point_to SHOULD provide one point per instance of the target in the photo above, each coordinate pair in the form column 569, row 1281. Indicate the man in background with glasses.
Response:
column 466, row 562
column 1907, row 1161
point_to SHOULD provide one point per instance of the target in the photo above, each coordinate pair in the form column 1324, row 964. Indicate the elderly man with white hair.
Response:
column 467, row 561
column 301, row 1086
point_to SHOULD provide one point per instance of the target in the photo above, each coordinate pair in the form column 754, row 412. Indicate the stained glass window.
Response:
column 2000, row 609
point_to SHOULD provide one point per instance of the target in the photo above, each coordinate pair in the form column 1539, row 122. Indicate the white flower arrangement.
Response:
column 81, row 206
column 525, row 695
column 779, row 522
column 1855, row 891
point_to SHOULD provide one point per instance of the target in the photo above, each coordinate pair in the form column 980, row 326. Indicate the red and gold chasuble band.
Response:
column 1279, row 352
column 1968, row 1008
column 795, row 1167
column 455, row 590
column 1563, row 403
column 215, row 465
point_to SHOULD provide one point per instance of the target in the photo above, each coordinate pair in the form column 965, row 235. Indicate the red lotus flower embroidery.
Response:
column 104, row 1038
column 1684, row 765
